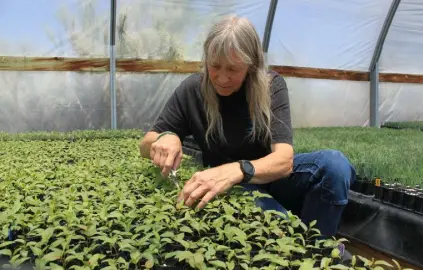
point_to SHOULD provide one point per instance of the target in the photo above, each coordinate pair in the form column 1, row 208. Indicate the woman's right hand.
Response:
column 166, row 153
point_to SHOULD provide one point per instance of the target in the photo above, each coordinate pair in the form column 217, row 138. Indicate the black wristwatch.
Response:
column 247, row 169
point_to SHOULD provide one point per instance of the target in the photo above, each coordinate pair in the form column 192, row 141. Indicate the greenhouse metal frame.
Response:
column 373, row 68
column 339, row 83
column 114, row 65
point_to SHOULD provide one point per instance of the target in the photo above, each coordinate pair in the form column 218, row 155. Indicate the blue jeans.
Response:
column 317, row 189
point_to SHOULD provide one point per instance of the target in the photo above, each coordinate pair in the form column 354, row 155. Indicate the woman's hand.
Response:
column 166, row 153
column 207, row 184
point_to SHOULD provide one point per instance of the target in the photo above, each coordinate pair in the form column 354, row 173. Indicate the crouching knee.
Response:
column 338, row 174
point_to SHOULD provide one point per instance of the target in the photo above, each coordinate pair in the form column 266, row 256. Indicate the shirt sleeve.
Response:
column 281, row 126
column 172, row 117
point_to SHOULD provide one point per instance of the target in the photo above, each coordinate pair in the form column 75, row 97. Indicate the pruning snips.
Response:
column 173, row 178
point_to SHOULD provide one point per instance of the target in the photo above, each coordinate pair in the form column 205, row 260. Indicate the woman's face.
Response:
column 227, row 78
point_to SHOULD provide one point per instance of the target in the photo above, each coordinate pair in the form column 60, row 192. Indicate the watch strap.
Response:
column 165, row 133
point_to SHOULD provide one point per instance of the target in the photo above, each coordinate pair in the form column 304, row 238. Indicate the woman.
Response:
column 239, row 114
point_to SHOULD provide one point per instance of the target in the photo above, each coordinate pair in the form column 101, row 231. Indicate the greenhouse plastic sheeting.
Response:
column 141, row 97
column 54, row 28
column 177, row 29
column 403, row 48
column 328, row 103
column 400, row 102
column 326, row 34
column 62, row 101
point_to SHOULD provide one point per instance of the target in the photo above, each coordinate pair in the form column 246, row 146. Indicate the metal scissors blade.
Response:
column 172, row 177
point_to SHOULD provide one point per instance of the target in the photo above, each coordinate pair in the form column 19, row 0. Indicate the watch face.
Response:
column 248, row 167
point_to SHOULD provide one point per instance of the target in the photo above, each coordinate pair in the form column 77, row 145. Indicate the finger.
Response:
column 187, row 190
column 156, row 158
column 196, row 195
column 163, row 156
column 178, row 160
column 189, row 187
column 168, row 164
column 152, row 152
column 193, row 179
column 218, row 189
column 206, row 199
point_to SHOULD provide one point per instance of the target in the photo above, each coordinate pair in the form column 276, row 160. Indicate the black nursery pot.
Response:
column 368, row 187
column 409, row 200
column 387, row 194
column 397, row 196
column 418, row 205
column 378, row 192
column 357, row 186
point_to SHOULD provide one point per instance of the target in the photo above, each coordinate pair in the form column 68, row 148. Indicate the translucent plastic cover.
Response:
column 177, row 29
column 403, row 47
column 320, row 34
column 327, row 33
column 62, row 101
column 401, row 102
column 328, row 103
column 73, row 28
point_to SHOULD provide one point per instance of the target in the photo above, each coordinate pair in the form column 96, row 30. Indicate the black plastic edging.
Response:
column 401, row 128
column 383, row 227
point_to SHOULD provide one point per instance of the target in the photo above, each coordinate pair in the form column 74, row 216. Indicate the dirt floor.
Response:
column 359, row 248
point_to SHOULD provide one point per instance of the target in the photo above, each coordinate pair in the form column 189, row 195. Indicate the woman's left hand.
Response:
column 207, row 184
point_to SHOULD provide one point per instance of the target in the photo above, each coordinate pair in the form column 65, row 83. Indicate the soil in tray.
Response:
column 172, row 263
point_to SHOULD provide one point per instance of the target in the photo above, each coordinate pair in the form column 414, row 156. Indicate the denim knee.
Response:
column 337, row 175
column 265, row 203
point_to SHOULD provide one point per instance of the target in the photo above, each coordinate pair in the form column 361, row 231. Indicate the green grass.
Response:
column 404, row 125
column 391, row 154
column 386, row 153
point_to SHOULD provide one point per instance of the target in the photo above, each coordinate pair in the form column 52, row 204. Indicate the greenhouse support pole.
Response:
column 374, row 96
column 112, row 63
column 374, row 66
column 268, row 29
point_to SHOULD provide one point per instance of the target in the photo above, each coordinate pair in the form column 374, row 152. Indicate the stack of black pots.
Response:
column 395, row 194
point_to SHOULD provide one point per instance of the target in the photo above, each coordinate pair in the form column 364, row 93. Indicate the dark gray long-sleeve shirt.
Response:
column 184, row 114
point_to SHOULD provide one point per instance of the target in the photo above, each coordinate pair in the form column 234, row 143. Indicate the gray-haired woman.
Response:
column 239, row 114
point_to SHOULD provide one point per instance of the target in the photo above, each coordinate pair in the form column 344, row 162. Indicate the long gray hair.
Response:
column 238, row 34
